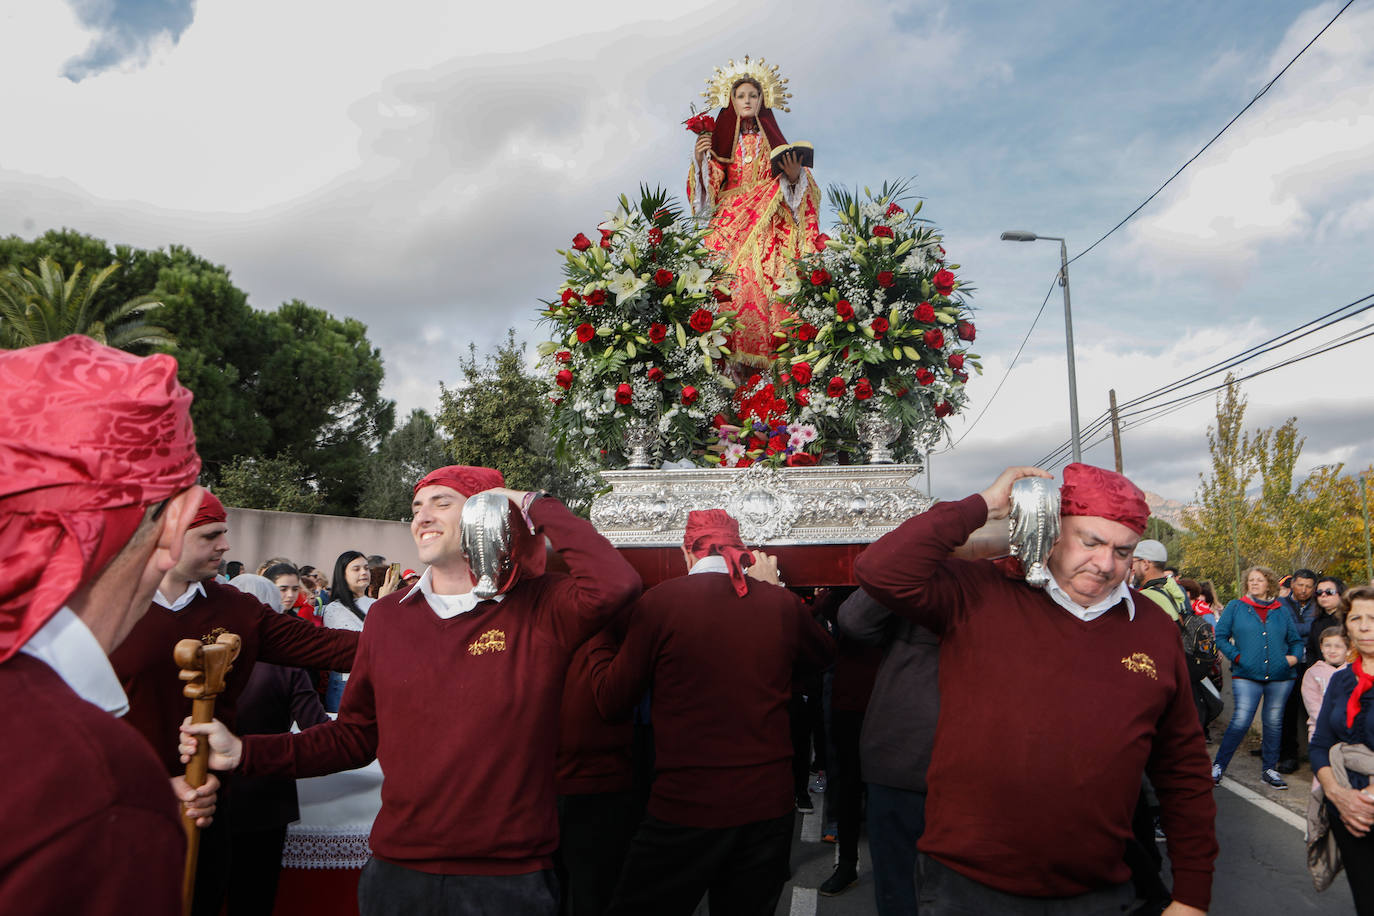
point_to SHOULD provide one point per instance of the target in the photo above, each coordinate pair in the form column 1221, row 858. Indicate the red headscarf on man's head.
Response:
column 716, row 531
column 91, row 437
column 463, row 478
column 211, row 511
column 1089, row 490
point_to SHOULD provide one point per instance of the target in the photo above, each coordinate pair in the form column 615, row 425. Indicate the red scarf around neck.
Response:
column 1362, row 683
column 1261, row 609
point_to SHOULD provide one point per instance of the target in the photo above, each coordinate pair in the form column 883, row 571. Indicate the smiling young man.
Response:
column 459, row 699
column 190, row 604
column 1052, row 704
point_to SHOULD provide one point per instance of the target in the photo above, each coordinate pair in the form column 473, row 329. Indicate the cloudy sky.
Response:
column 415, row 164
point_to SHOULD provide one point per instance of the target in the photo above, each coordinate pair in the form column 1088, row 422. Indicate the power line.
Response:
column 1010, row 366
column 1267, row 86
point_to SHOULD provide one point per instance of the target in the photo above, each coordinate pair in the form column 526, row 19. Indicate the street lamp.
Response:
column 1020, row 236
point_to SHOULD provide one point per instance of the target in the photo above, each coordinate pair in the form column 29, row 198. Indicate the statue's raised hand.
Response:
column 703, row 145
column 791, row 166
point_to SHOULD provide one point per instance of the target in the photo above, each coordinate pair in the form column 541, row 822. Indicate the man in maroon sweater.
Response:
column 720, row 654
column 1053, row 703
column 97, row 483
column 459, row 699
column 190, row 604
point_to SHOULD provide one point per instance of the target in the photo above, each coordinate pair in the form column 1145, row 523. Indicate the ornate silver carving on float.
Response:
column 641, row 436
column 815, row 505
column 1034, row 525
column 878, row 432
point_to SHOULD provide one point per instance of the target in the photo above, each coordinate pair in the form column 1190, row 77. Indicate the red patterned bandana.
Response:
column 1362, row 683
column 466, row 480
column 716, row 531
column 211, row 511
column 1105, row 494
column 92, row 436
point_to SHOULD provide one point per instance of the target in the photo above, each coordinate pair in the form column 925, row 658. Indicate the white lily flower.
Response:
column 626, row 285
column 789, row 286
column 695, row 279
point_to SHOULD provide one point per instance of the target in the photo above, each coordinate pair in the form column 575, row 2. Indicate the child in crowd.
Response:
column 1335, row 651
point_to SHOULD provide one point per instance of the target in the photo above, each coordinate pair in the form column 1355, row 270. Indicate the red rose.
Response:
column 819, row 277
column 663, row 277
column 943, row 409
column 844, row 310
column 806, row 332
column 753, row 380
column 718, row 420
column 802, row 373
column 689, row 395
column 606, row 234
column 943, row 281
column 569, row 296
column 925, row 376
column 801, row 460
column 925, row 313
column 777, row 443
column 655, row 374
column 744, row 462
column 564, row 379
column 882, row 232
column 779, row 406
column 880, row 327
column 581, row 242
column 657, row 332
column 961, row 375
column 935, row 338
column 623, row 393
column 585, row 332
column 956, row 360
column 885, row 278
column 863, row 389
column 836, row 387
column 967, row 331
column 754, row 443
column 803, row 398
column 893, row 210
column 701, row 321
column 821, row 240
column 563, row 356
column 720, row 295
column 596, row 297
column 655, row 236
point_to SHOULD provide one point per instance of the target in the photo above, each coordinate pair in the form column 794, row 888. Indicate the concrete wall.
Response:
column 314, row 540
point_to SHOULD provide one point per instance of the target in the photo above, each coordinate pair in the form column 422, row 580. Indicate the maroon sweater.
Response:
column 463, row 713
column 90, row 823
column 1046, row 722
column 594, row 756
column 150, row 677
column 721, row 670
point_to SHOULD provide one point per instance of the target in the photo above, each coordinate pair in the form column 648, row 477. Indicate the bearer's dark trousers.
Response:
column 945, row 892
column 392, row 890
column 670, row 868
column 594, row 835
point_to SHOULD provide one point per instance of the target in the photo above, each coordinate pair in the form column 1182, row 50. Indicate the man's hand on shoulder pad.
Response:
column 998, row 496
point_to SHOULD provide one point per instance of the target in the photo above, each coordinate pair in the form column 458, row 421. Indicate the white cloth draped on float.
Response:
column 337, row 812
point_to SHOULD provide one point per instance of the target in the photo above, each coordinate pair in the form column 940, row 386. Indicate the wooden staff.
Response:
column 203, row 668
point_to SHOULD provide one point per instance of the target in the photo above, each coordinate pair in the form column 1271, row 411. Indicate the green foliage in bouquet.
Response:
column 637, row 330
column 880, row 327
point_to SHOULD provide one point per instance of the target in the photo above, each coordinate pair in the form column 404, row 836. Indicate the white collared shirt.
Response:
column 715, row 563
column 1092, row 612
column 446, row 606
column 196, row 588
column 66, row 645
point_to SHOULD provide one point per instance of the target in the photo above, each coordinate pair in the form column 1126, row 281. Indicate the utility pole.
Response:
column 1116, row 431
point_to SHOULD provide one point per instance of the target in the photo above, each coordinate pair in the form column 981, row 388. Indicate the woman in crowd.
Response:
column 261, row 808
column 1258, row 634
column 349, row 608
column 1331, row 610
column 1346, row 721
column 293, row 599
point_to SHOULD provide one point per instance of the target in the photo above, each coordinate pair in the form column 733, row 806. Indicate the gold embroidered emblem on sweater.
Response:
column 490, row 641
column 1142, row 664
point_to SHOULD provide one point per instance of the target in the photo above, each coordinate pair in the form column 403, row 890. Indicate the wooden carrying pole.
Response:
column 203, row 668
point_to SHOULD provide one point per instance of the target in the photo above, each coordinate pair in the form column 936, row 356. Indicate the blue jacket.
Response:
column 1259, row 645
column 1331, row 727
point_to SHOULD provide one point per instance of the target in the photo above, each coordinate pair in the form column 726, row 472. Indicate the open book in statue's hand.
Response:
column 806, row 155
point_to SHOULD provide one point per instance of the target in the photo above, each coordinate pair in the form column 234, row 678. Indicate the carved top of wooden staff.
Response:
column 204, row 667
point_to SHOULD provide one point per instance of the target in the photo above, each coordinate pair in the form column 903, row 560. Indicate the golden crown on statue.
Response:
column 718, row 85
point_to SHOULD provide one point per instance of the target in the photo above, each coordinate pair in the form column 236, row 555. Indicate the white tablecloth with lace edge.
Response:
column 336, row 817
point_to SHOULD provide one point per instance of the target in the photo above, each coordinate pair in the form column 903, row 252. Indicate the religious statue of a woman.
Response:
column 762, row 217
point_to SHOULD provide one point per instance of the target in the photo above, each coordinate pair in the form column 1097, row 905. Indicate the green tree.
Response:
column 44, row 305
column 1160, row 530
column 498, row 417
column 267, row 483
column 413, row 450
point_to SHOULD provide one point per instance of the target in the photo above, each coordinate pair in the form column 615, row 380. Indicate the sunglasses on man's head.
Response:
column 1327, row 591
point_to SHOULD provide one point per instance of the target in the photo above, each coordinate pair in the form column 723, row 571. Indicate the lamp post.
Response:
column 1020, row 236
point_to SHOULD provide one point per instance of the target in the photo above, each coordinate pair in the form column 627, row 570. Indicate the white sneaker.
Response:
column 818, row 782
column 1216, row 774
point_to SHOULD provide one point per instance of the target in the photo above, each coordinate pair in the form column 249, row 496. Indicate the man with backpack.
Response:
column 1199, row 640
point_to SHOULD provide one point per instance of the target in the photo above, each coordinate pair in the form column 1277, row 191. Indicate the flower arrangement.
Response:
column 638, row 331
column 878, row 331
